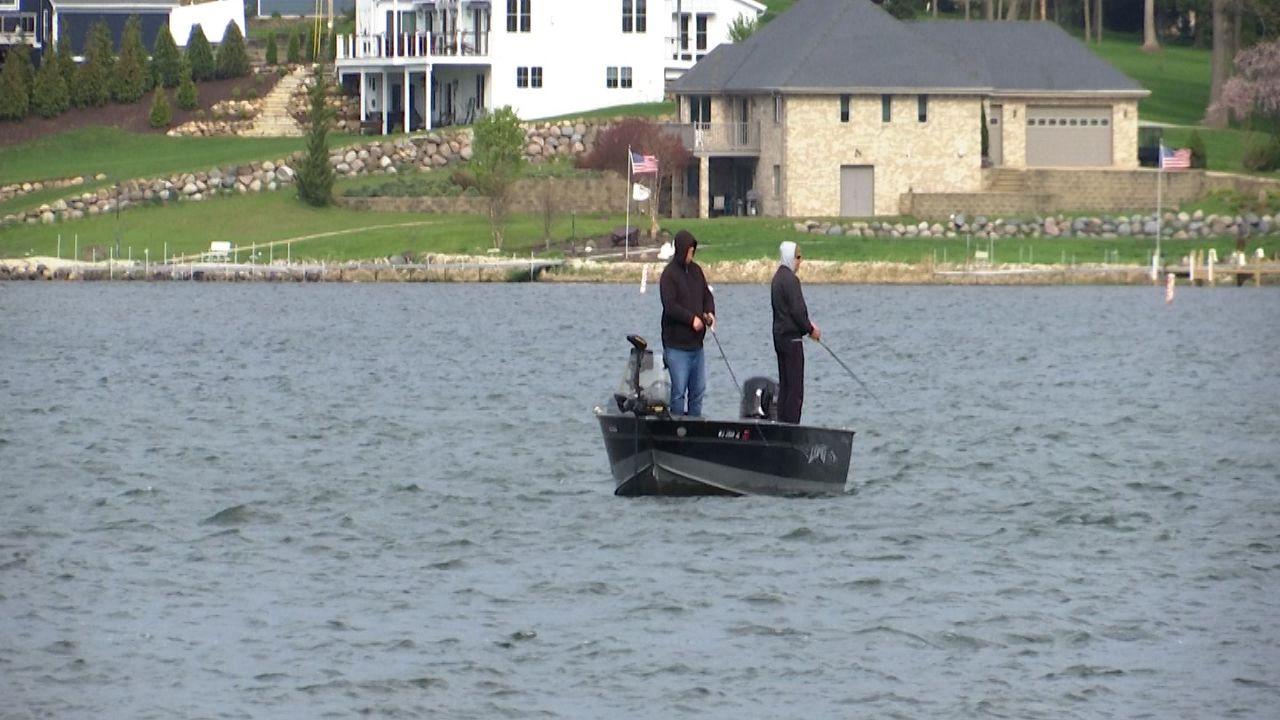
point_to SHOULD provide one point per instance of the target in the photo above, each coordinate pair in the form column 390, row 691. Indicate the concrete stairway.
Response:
column 274, row 120
column 1008, row 181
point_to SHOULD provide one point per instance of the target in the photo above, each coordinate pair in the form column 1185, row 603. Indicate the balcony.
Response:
column 18, row 29
column 683, row 50
column 730, row 138
column 384, row 46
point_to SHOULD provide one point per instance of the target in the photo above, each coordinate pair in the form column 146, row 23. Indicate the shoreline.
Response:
column 457, row 268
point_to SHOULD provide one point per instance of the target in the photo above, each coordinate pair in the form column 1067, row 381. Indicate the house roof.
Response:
column 852, row 46
column 830, row 46
column 1029, row 57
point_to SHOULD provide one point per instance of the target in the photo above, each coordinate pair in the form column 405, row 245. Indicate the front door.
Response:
column 857, row 190
column 995, row 135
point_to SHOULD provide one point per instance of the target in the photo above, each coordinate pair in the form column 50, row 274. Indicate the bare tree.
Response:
column 1097, row 20
column 1088, row 29
column 1011, row 11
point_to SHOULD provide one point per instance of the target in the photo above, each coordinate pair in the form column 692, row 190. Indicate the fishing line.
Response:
column 852, row 374
column 725, row 358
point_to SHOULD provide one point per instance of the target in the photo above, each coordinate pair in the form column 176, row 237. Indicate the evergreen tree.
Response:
column 233, row 59
column 166, row 60
column 187, row 97
column 15, row 95
column 294, row 54
column 200, row 55
column 161, row 113
column 50, row 97
column 131, row 77
column 272, row 52
column 92, row 85
column 66, row 58
column 315, row 177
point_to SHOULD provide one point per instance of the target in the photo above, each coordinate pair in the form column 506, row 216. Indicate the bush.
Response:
column 161, row 113
column 166, row 60
column 272, row 52
column 200, row 56
column 50, row 97
column 131, row 78
column 294, row 51
column 66, row 59
column 1199, row 158
column 188, row 98
column 1262, row 154
column 15, row 93
column 233, row 59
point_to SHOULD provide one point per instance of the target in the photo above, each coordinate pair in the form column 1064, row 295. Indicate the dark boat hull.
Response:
column 695, row 456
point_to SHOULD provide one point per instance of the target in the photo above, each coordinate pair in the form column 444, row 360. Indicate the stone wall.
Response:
column 605, row 194
column 908, row 155
column 1065, row 191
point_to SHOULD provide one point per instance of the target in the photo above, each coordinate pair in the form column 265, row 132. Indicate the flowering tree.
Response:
column 1254, row 91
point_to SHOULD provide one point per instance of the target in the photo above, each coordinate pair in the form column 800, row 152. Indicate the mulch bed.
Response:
column 135, row 118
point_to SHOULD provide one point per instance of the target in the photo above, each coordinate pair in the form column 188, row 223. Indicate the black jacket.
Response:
column 790, row 314
column 684, row 294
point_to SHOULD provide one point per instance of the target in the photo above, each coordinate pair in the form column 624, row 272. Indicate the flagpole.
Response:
column 1155, row 259
column 626, row 228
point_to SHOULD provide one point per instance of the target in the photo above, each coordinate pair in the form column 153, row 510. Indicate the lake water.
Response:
column 305, row 501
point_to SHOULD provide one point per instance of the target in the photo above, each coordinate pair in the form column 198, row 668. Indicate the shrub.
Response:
column 50, row 97
column 200, row 55
column 66, row 58
column 233, row 59
column 235, row 93
column 187, row 97
column 272, row 52
column 1199, row 158
column 294, row 51
column 131, row 77
column 15, row 93
column 166, row 60
column 1262, row 154
column 161, row 113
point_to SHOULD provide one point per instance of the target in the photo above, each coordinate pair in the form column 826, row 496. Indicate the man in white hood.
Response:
column 790, row 326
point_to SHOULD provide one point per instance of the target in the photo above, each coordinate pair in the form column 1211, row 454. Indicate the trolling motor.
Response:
column 644, row 390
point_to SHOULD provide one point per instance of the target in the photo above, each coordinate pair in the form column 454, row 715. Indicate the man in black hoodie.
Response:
column 687, row 311
column 790, row 324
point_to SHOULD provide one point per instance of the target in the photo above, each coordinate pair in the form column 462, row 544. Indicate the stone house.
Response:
column 838, row 109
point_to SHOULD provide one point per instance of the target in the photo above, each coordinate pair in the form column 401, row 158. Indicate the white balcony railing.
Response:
column 710, row 138
column 18, row 28
column 413, row 45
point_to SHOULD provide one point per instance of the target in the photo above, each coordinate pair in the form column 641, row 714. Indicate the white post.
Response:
column 1155, row 259
column 626, row 227
column 59, row 246
column 406, row 100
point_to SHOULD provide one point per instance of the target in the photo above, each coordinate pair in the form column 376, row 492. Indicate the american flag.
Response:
column 1171, row 159
column 641, row 164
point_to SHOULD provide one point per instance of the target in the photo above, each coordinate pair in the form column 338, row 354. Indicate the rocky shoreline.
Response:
column 481, row 269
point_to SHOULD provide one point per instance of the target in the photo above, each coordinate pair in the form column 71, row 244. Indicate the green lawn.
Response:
column 1177, row 76
column 125, row 156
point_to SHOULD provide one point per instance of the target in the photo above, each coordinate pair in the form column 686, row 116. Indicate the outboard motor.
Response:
column 645, row 389
column 759, row 399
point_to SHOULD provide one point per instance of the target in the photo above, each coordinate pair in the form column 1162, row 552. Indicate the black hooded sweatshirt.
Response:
column 684, row 294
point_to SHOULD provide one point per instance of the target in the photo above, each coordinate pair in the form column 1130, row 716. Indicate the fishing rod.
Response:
column 724, row 357
column 852, row 374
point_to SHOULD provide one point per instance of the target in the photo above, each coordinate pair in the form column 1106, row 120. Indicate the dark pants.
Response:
column 790, row 380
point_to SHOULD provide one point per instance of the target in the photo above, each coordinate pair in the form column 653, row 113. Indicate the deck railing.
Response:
column 18, row 28
column 725, row 137
column 375, row 46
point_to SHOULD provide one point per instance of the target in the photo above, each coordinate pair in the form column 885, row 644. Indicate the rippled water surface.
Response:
column 303, row 501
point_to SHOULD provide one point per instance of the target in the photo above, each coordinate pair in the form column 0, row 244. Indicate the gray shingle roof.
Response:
column 852, row 46
column 1028, row 57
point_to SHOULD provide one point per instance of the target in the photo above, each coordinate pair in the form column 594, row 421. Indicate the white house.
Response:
column 428, row 63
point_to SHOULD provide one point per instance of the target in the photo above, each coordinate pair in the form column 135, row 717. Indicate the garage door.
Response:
column 857, row 190
column 1068, row 136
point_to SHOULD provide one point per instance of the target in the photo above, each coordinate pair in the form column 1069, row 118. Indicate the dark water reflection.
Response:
column 305, row 501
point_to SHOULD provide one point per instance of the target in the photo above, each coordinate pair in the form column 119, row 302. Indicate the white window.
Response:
column 922, row 108
column 611, row 76
column 519, row 16
column 522, row 77
column 777, row 109
column 634, row 16
column 529, row 77
column 626, row 76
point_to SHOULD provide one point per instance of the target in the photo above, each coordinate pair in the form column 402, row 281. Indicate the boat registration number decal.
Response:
column 734, row 434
